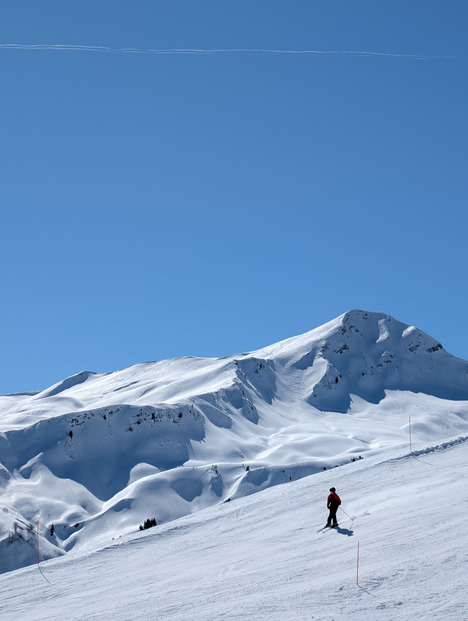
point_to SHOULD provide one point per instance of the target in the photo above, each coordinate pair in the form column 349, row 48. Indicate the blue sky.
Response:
column 155, row 205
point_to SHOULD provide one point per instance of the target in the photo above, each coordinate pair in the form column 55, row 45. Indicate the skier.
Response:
column 333, row 502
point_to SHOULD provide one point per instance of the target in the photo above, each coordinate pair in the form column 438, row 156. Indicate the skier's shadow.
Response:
column 344, row 531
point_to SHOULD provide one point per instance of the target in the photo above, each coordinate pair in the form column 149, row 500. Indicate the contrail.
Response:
column 177, row 51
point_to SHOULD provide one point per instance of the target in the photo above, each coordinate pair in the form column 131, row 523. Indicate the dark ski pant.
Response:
column 332, row 516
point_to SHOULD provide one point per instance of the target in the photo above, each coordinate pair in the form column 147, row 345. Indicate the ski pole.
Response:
column 346, row 514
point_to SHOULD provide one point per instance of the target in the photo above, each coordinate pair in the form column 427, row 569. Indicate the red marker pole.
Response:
column 357, row 565
column 38, row 558
column 38, row 543
column 409, row 427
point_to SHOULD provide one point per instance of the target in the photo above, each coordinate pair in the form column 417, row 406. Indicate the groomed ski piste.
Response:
column 234, row 457
column 261, row 558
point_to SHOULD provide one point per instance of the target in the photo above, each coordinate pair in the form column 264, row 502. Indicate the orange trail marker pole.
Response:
column 37, row 537
column 357, row 565
column 38, row 566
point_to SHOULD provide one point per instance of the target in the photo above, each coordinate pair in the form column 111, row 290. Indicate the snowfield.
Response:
column 261, row 557
column 234, row 458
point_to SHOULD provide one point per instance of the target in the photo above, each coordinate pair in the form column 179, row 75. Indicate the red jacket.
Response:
column 333, row 499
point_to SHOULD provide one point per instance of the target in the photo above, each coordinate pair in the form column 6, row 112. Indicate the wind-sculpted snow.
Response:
column 67, row 383
column 96, row 455
column 366, row 354
column 99, row 448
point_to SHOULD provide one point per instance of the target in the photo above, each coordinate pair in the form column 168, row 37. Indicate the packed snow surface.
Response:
column 261, row 557
column 93, row 457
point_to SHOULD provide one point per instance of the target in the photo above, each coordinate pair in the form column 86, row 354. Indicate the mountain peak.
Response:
column 364, row 354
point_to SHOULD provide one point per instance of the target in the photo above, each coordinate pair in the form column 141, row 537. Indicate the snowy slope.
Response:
column 97, row 454
column 261, row 558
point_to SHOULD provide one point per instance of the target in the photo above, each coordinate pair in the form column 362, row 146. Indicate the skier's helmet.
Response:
column 332, row 489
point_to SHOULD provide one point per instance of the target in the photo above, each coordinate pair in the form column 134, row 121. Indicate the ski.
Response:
column 321, row 530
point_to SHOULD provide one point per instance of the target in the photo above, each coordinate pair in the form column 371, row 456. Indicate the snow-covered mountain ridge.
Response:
column 97, row 454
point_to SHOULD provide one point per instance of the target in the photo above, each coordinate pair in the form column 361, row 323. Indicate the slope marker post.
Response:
column 409, row 428
column 357, row 565
column 37, row 538
column 38, row 559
